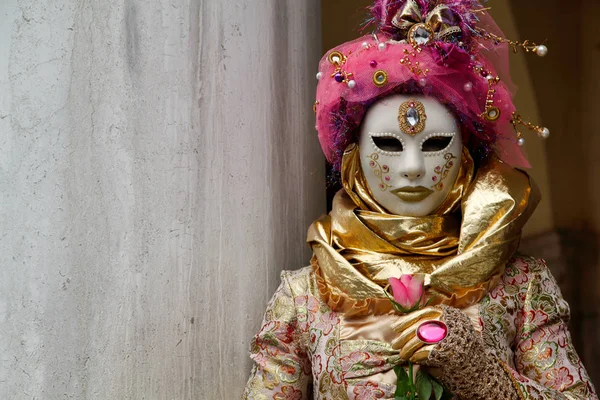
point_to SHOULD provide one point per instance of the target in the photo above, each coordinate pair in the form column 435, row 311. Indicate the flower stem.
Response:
column 411, row 384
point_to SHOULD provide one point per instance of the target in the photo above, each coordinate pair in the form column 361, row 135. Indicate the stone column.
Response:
column 158, row 168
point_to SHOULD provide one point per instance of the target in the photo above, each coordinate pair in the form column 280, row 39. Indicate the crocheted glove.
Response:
column 467, row 370
column 462, row 364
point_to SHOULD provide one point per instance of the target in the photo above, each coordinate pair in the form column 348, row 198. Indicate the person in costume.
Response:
column 419, row 121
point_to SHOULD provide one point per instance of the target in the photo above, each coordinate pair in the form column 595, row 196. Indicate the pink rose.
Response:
column 407, row 291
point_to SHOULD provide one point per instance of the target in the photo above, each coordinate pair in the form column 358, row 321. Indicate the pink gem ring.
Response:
column 432, row 332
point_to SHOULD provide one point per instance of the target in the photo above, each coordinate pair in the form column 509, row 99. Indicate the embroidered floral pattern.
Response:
column 544, row 363
column 306, row 310
column 368, row 391
column 288, row 393
column 559, row 378
column 522, row 320
column 334, row 369
column 327, row 322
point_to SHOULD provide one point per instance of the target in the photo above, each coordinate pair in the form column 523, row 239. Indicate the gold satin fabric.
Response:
column 461, row 248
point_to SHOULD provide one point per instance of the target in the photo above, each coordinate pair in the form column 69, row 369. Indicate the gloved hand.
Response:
column 463, row 365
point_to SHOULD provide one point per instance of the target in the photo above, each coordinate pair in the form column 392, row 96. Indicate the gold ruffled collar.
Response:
column 462, row 248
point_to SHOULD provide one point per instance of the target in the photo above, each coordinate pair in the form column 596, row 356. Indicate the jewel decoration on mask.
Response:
column 380, row 78
column 540, row 130
column 412, row 117
column 379, row 171
column 442, row 172
column 337, row 59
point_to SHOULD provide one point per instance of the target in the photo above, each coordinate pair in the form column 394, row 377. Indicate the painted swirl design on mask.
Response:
column 379, row 171
column 442, row 171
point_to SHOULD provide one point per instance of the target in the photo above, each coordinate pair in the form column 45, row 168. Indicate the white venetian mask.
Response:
column 410, row 151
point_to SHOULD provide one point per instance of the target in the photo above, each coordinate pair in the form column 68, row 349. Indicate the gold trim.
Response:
column 336, row 54
column 376, row 76
column 404, row 125
column 346, row 76
column 492, row 114
column 517, row 120
column 512, row 379
column 527, row 45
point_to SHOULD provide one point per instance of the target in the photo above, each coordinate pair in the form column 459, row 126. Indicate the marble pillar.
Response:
column 158, row 169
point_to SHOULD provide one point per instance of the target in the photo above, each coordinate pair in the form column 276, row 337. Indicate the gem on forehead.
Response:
column 412, row 117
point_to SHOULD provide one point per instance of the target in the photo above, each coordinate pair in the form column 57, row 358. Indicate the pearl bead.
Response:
column 352, row 84
column 489, row 77
column 319, row 76
column 381, row 46
column 521, row 141
column 365, row 45
column 468, row 87
column 545, row 133
column 335, row 59
column 541, row 50
column 422, row 82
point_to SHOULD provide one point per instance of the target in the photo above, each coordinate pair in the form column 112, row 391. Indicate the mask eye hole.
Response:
column 436, row 143
column 388, row 143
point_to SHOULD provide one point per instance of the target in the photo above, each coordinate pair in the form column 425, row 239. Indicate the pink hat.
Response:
column 451, row 50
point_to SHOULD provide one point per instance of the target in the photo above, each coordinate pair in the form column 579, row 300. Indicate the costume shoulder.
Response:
column 300, row 282
column 527, row 266
column 535, row 284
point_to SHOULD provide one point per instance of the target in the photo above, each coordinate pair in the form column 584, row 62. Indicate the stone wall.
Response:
column 158, row 168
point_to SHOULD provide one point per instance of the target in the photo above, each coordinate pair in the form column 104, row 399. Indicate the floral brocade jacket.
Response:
column 304, row 349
